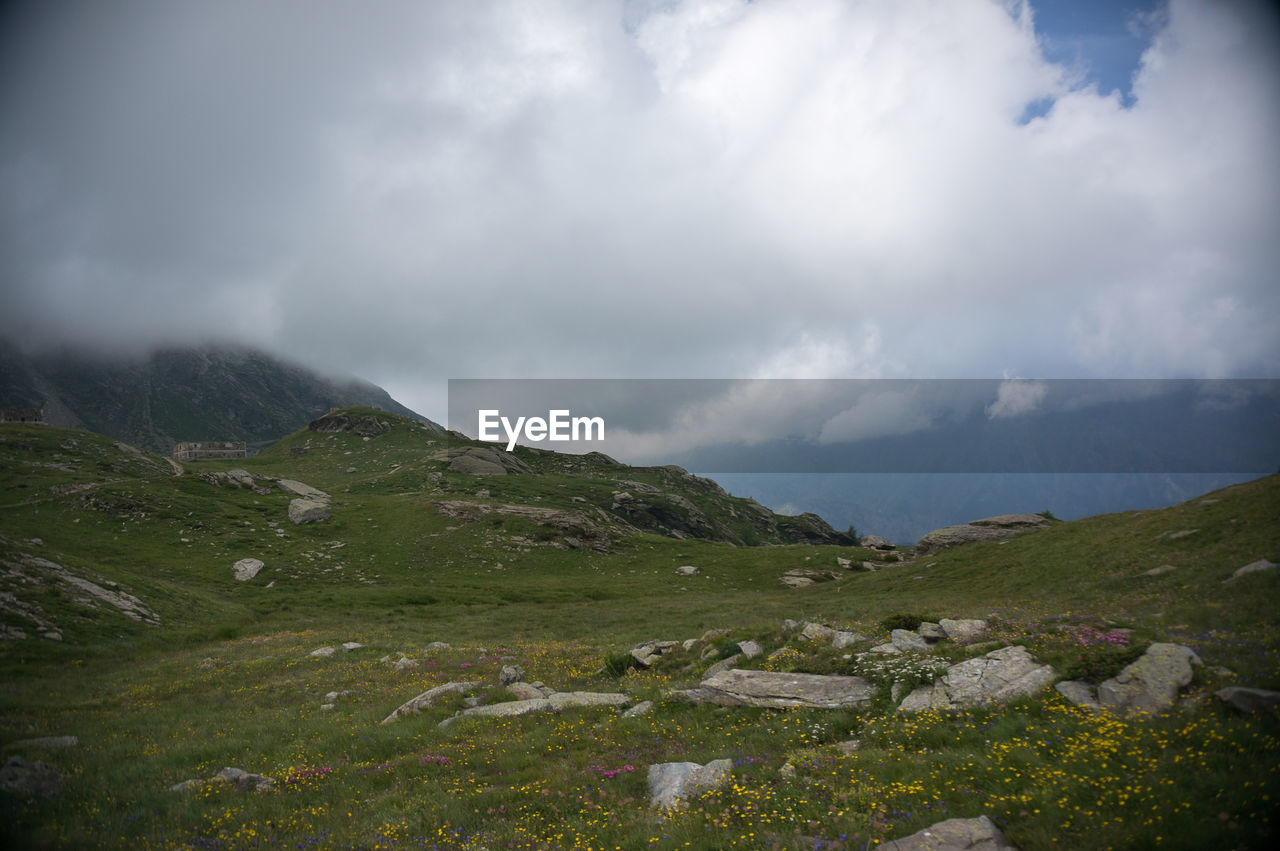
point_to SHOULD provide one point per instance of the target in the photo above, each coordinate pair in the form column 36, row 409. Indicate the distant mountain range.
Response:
column 174, row 394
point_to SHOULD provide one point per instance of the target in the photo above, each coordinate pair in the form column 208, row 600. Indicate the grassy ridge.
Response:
column 226, row 678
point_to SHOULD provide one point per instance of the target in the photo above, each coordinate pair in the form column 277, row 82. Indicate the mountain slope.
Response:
column 177, row 394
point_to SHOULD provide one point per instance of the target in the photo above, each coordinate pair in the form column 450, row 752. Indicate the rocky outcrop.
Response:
column 957, row 834
column 779, row 690
column 30, row 779
column 999, row 676
column 1150, row 684
column 304, row 491
column 237, row 777
column 555, row 703
column 801, row 577
column 965, row 630
column 673, row 784
column 576, row 530
column 648, row 653
column 415, row 705
column 482, row 461
column 1250, row 700
column 1002, row 526
column 874, row 542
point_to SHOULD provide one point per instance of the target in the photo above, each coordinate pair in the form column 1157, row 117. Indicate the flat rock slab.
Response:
column 963, row 630
column 778, row 690
column 305, row 491
column 1150, row 684
column 415, row 705
column 953, row 536
column 308, row 511
column 957, row 834
column 1000, row 675
column 556, row 702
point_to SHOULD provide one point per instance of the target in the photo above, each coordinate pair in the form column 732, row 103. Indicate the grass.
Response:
column 226, row 679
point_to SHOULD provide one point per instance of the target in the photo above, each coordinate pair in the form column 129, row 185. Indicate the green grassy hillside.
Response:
column 561, row 565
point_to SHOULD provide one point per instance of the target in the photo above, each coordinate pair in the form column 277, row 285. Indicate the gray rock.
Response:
column 687, row 570
column 723, row 665
column 953, row 536
column 567, row 699
column 243, row 780
column 415, row 705
column 321, row 652
column 908, row 641
column 844, row 563
column 750, row 649
column 437, row 645
column 308, row 511
column 1156, row 571
column 889, row 649
column 644, row 707
column 556, row 702
column 1245, row 699
column 299, row 489
column 510, row 674
column 348, row 646
column 30, row 779
column 874, row 542
column 964, row 630
column 778, row 690
column 713, row 634
column 999, row 676
column 527, row 691
column 651, row 651
column 673, row 784
column 817, row 632
column 931, row 631
column 474, row 465
column 957, row 834
column 247, row 568
column 1011, row 520
column 841, row 640
column 1253, row 567
column 1078, row 692
column 1150, row 684
column 789, row 626
column 404, row 663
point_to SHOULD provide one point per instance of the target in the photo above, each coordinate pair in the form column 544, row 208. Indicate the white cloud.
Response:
column 1016, row 398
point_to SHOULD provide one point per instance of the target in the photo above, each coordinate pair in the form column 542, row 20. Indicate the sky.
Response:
column 411, row 192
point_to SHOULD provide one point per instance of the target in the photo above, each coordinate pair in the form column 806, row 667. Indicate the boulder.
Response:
column 723, row 665
column 999, row 676
column 348, row 646
column 1150, row 684
column 778, row 690
column 510, row 674
column 321, row 652
column 686, row 570
column 1249, row 699
column 308, row 511
column 556, row 702
column 750, row 649
column 243, row 780
column 1006, row 521
column 964, row 630
column 953, row 536
column 908, row 641
column 814, row 631
column 1078, row 692
column 801, row 577
column 526, row 691
column 415, row 705
column 247, row 568
column 841, row 640
column 931, row 631
column 672, row 784
column 644, row 707
column 874, row 542
column 956, row 834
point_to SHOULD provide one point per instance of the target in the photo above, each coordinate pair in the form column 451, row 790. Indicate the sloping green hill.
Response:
column 173, row 669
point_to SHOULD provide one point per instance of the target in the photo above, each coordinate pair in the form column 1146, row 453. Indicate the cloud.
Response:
column 703, row 189
column 1016, row 398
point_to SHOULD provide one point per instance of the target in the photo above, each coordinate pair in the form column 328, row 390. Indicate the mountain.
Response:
column 173, row 394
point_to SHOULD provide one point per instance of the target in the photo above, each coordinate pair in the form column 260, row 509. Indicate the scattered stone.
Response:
column 672, row 784
column 687, row 570
column 869, row 566
column 1248, row 699
column 308, row 511
column 243, row 780
column 957, row 834
column 651, row 651
column 713, row 634
column 30, row 779
column 437, row 645
column 327, row 707
column 1150, row 684
column 999, row 676
column 510, row 674
column 874, row 542
column 886, row 649
column 723, row 665
column 1182, row 533
column 801, row 577
column 404, row 663
column 778, row 690
column 644, row 707
column 415, row 705
column 908, row 641
column 964, row 630
column 333, row 696
column 348, row 646
column 844, row 563
column 789, row 626
column 50, row 742
column 814, row 631
column 525, row 691
column 1253, row 567
column 750, row 649
column 247, row 568
column 322, row 652
column 1156, row 571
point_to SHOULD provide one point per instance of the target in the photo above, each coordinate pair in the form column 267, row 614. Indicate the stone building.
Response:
column 209, row 450
column 21, row 415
